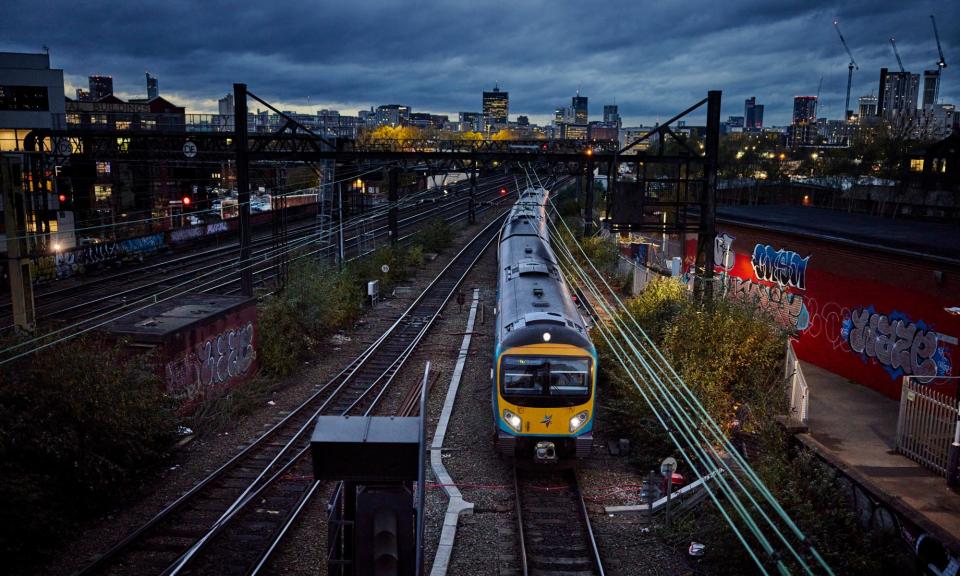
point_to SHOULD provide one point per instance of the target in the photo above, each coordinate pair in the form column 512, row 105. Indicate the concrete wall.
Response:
column 870, row 316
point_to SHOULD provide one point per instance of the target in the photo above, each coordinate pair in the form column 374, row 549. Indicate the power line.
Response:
column 155, row 298
column 689, row 428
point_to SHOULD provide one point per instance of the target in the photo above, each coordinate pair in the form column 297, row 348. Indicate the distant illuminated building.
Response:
column 496, row 106
column 898, row 94
column 575, row 131
column 471, row 121
column 100, row 87
column 804, row 110
column 803, row 129
column 868, row 106
column 580, row 112
column 611, row 115
column 393, row 115
column 931, row 86
column 752, row 114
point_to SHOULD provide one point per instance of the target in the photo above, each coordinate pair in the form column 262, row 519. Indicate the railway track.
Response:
column 80, row 302
column 231, row 521
column 555, row 535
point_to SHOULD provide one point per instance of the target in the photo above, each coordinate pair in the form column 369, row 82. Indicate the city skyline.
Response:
column 773, row 53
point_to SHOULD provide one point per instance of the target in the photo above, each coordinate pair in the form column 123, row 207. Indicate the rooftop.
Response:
column 154, row 323
column 930, row 240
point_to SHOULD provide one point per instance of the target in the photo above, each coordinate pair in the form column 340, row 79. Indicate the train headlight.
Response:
column 511, row 419
column 578, row 420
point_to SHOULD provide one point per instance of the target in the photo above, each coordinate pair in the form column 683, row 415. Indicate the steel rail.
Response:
column 460, row 265
column 336, row 383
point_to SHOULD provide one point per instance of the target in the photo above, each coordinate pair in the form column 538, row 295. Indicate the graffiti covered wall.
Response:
column 213, row 356
column 871, row 321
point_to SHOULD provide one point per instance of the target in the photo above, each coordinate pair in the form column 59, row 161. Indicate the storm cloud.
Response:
column 651, row 58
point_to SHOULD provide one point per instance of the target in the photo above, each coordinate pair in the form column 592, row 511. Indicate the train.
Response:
column 544, row 370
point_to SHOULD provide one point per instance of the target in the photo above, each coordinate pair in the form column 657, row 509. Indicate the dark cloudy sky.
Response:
column 652, row 58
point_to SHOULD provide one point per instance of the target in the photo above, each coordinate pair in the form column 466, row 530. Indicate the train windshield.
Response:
column 545, row 376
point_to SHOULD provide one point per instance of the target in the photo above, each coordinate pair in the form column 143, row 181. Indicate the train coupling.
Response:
column 545, row 453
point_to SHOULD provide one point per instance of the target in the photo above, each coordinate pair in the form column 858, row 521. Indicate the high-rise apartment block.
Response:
column 898, row 94
column 496, row 106
column 752, row 114
column 100, row 87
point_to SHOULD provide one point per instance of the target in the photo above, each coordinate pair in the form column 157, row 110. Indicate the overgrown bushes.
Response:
column 320, row 299
column 80, row 423
column 435, row 236
column 728, row 353
column 731, row 356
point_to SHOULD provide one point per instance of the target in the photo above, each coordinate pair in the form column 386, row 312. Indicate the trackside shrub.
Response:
column 730, row 355
column 81, row 422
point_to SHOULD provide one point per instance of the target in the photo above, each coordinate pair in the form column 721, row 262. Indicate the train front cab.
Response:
column 545, row 402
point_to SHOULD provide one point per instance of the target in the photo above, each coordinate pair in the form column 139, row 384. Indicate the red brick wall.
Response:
column 211, row 356
column 867, row 315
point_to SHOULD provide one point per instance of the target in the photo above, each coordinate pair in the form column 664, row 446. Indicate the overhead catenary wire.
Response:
column 206, row 211
column 228, row 267
column 677, row 410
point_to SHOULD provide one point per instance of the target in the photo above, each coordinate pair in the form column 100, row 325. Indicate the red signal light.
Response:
column 186, row 200
column 62, row 197
column 503, row 191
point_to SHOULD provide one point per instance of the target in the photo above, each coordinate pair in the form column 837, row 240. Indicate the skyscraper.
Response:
column 898, row 94
column 225, row 105
column 931, row 87
column 496, row 106
column 752, row 114
column 611, row 115
column 868, row 106
column 153, row 88
column 804, row 127
column 804, row 110
column 580, row 114
column 100, row 86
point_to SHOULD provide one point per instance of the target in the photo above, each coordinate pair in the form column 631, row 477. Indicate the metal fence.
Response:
column 926, row 424
column 799, row 391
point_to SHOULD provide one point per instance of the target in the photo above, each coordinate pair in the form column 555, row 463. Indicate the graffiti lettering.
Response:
column 787, row 307
column 216, row 227
column 213, row 363
column 901, row 346
column 781, row 266
column 142, row 244
column 184, row 234
column 69, row 263
column 723, row 254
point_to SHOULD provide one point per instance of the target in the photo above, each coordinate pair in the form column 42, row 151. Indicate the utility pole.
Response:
column 393, row 198
column 341, row 249
column 243, row 185
column 15, row 219
column 588, row 194
column 708, row 207
column 473, row 192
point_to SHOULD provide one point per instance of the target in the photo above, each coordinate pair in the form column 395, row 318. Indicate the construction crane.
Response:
column 893, row 42
column 941, row 63
column 850, row 68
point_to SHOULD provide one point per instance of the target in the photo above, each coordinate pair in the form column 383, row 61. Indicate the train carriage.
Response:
column 544, row 365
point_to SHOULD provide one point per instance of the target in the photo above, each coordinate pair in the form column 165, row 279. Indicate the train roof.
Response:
column 533, row 296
